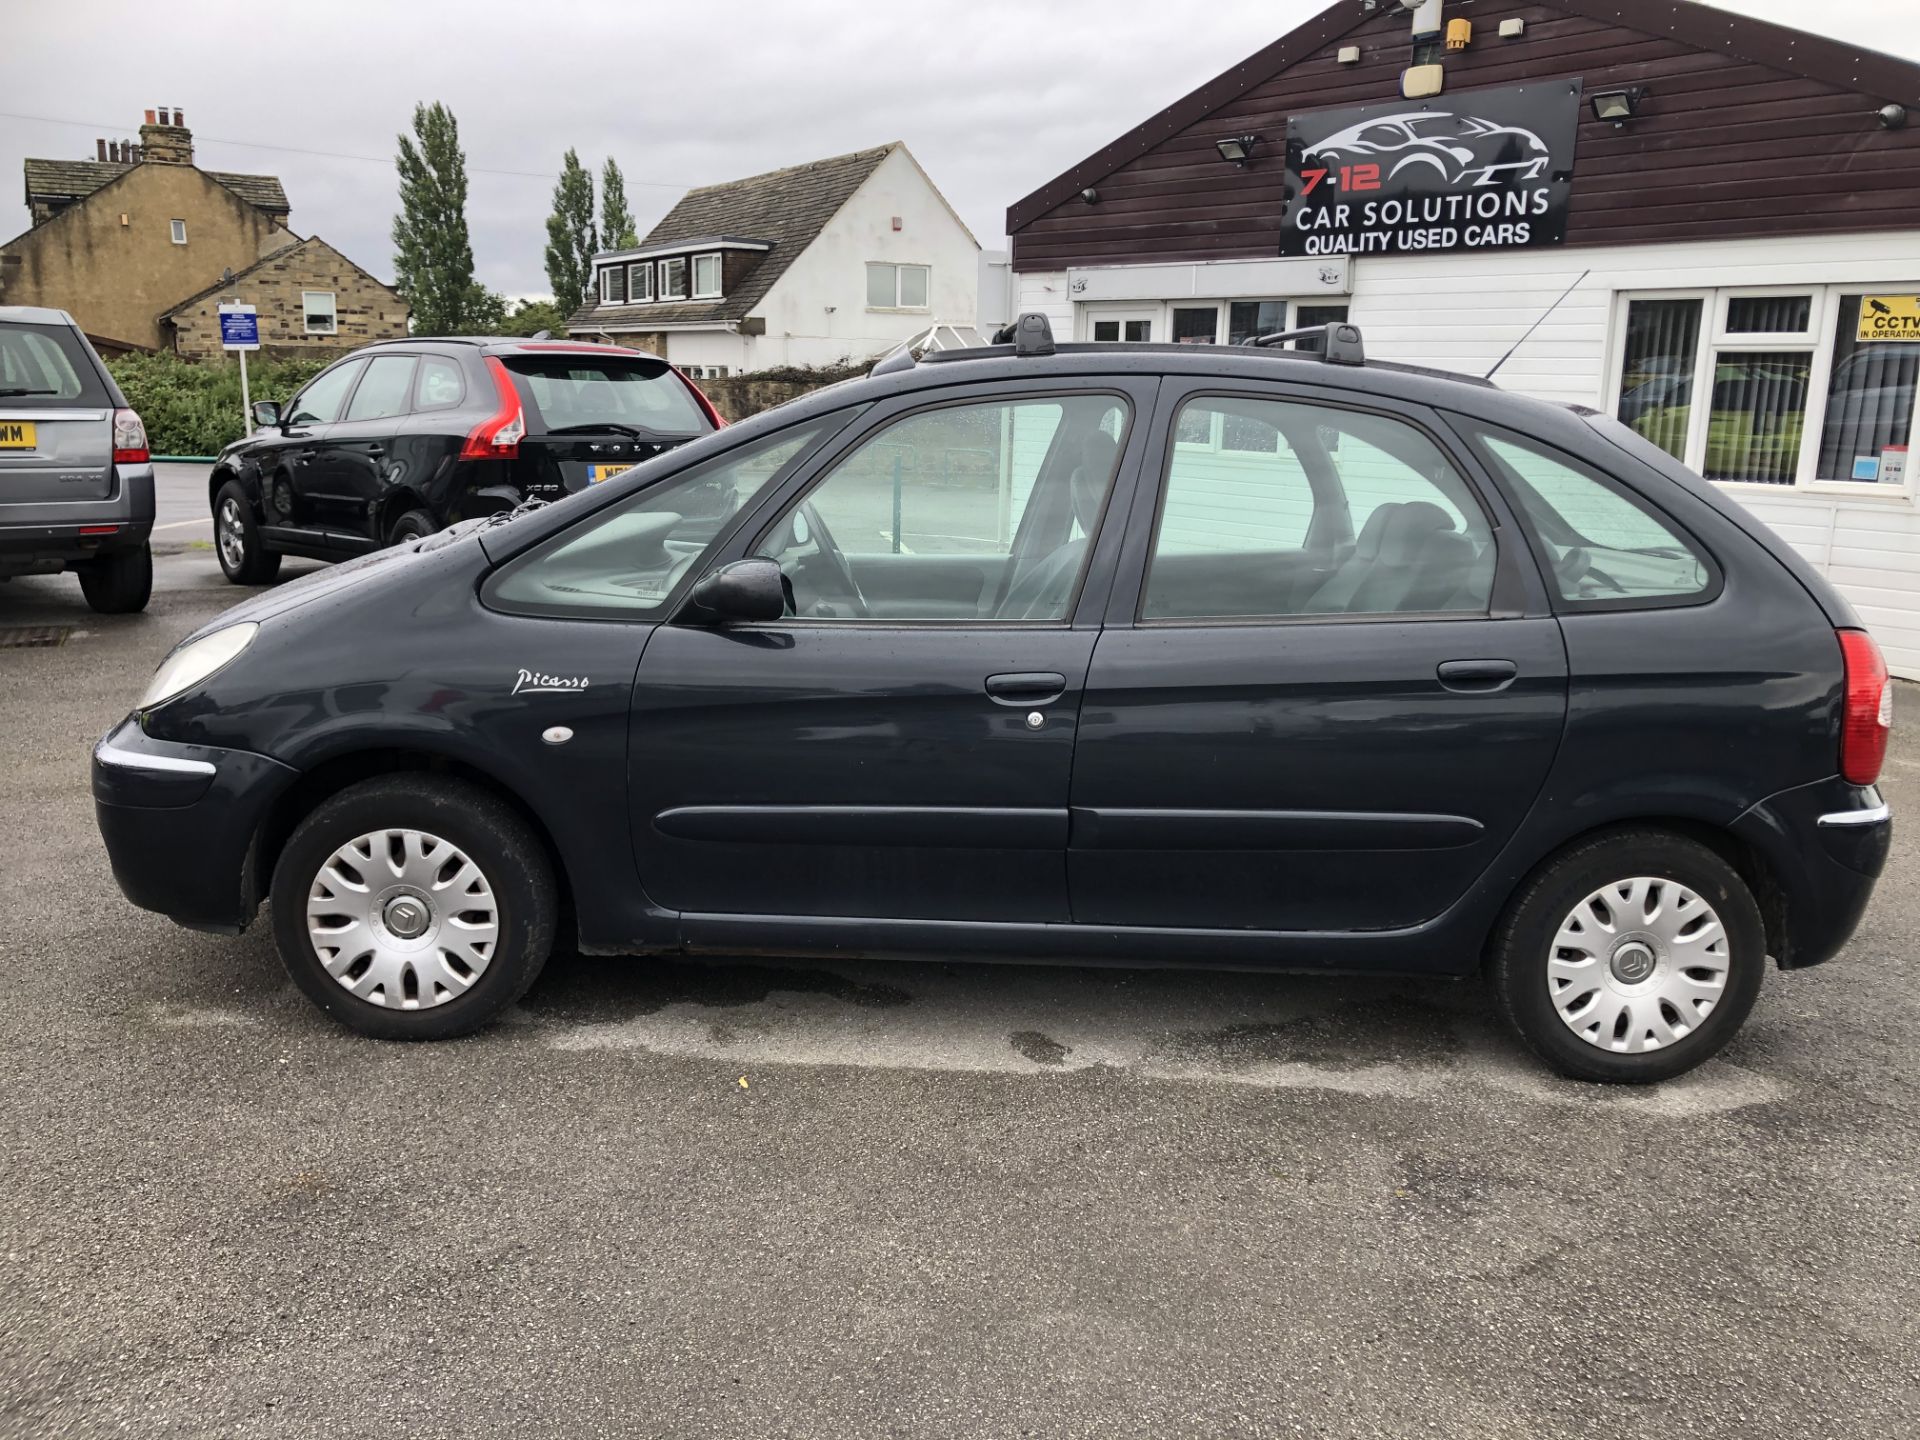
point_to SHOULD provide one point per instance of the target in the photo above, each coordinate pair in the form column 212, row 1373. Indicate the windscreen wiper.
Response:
column 600, row 426
column 22, row 390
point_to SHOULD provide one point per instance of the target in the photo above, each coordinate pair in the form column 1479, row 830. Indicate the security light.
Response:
column 1618, row 106
column 1237, row 148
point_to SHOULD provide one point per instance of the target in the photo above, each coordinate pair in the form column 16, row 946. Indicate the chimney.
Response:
column 99, row 149
column 166, row 141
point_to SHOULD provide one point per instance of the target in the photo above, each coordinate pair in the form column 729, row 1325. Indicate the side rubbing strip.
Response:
column 906, row 825
column 1270, row 830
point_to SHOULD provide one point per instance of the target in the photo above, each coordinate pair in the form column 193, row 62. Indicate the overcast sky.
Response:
column 993, row 96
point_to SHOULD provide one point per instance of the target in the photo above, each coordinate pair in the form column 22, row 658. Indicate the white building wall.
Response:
column 817, row 312
column 1463, row 311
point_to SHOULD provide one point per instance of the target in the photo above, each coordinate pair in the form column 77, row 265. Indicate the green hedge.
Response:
column 195, row 409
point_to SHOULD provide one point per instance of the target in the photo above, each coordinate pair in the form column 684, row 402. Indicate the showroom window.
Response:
column 1775, row 387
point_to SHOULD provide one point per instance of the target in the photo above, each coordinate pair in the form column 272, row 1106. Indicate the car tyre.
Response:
column 244, row 557
column 1566, row 958
column 344, row 937
column 414, row 525
column 119, row 583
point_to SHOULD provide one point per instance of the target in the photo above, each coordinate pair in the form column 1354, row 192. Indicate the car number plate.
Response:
column 16, row 435
column 597, row 473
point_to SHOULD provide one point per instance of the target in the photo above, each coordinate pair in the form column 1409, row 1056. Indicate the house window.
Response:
column 613, row 285
column 704, row 372
column 706, row 277
column 179, row 231
column 673, row 279
column 321, row 318
column 898, row 287
column 1772, row 388
column 640, row 282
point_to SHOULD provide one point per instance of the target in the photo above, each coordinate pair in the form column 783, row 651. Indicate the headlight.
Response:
column 191, row 664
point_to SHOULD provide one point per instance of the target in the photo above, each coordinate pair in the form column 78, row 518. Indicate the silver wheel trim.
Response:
column 402, row 918
column 1638, row 965
column 232, row 536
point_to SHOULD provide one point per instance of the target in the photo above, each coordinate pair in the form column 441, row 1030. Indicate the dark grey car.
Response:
column 76, row 481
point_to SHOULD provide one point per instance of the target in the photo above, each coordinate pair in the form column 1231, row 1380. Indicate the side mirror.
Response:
column 266, row 414
column 751, row 589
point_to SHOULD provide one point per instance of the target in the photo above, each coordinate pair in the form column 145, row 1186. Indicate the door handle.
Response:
column 376, row 451
column 1035, row 687
column 1477, row 675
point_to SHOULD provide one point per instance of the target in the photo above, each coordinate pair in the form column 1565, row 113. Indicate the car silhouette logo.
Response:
column 1464, row 151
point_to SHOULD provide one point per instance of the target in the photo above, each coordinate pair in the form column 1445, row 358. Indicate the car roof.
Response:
column 514, row 345
column 36, row 315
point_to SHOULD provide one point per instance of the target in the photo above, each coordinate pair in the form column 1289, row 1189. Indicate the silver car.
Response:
column 76, row 481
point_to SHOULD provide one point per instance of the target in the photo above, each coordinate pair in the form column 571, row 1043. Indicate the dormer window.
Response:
column 639, row 282
column 613, row 285
column 673, row 279
column 706, row 277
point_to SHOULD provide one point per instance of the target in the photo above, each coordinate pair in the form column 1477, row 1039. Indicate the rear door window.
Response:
column 1606, row 548
column 577, row 392
column 383, row 394
column 46, row 365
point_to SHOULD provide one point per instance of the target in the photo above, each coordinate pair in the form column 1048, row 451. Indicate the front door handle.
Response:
column 1035, row 687
column 376, row 451
column 1478, row 675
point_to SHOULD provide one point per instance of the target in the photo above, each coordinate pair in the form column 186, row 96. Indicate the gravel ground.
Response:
column 756, row 1199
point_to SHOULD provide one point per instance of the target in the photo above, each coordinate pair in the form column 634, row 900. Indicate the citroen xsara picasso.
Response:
column 1168, row 655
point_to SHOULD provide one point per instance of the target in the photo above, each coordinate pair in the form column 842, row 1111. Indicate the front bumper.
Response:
column 1827, row 843
column 179, row 823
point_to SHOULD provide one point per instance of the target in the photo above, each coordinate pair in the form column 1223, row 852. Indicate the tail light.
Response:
column 1868, row 720
column 498, row 436
column 129, row 439
column 700, row 397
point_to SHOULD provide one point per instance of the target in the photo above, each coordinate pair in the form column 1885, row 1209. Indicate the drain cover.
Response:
column 33, row 637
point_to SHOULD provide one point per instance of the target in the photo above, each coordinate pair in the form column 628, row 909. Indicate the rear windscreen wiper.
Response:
column 601, row 426
column 22, row 390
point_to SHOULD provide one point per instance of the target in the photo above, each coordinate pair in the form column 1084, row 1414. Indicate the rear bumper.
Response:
column 179, row 823
column 43, row 538
column 1828, row 843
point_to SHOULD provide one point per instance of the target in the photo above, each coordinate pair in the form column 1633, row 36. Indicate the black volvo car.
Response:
column 1179, row 656
column 406, row 437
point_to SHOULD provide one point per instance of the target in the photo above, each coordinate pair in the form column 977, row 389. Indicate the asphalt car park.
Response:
column 755, row 1197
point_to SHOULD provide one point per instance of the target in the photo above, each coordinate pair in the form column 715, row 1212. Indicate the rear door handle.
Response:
column 1034, row 687
column 376, row 451
column 1477, row 674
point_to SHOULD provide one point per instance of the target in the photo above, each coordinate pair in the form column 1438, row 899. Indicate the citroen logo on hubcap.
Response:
column 1632, row 963
column 407, row 917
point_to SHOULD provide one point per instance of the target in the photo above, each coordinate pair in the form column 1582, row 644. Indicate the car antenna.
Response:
column 1535, row 326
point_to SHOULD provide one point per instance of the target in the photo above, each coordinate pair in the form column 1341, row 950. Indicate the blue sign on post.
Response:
column 239, row 327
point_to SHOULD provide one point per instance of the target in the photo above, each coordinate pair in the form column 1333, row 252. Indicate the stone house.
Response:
column 124, row 240
column 311, row 300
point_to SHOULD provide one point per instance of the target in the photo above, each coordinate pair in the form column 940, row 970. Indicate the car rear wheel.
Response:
column 120, row 583
column 1630, row 958
column 236, row 539
column 414, row 525
column 413, row 907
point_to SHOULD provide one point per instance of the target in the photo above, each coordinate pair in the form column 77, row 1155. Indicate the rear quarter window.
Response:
column 42, row 365
column 571, row 391
column 1604, row 547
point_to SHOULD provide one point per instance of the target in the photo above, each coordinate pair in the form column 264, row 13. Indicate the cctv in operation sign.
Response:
column 1481, row 170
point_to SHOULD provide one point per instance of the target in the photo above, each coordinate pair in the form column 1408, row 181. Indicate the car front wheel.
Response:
column 413, row 907
column 1630, row 958
column 236, row 539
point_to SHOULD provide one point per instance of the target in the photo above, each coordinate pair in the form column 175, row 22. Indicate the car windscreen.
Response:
column 47, row 365
column 579, row 392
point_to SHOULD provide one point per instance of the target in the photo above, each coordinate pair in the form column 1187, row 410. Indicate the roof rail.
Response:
column 1340, row 343
column 1031, row 334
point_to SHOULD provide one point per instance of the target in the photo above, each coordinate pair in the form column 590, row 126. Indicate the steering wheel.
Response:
column 831, row 553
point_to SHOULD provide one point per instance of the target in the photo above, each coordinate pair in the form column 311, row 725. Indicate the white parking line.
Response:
column 179, row 524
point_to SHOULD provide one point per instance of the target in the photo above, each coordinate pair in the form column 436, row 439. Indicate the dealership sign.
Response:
column 1482, row 170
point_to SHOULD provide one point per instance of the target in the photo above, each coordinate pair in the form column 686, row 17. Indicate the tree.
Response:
column 616, row 221
column 530, row 317
column 485, row 312
column 570, row 238
column 433, row 256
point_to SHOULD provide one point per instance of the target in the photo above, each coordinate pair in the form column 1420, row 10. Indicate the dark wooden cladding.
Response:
column 1747, row 130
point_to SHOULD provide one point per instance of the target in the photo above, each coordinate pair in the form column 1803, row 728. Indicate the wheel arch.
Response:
column 331, row 776
column 1749, row 861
